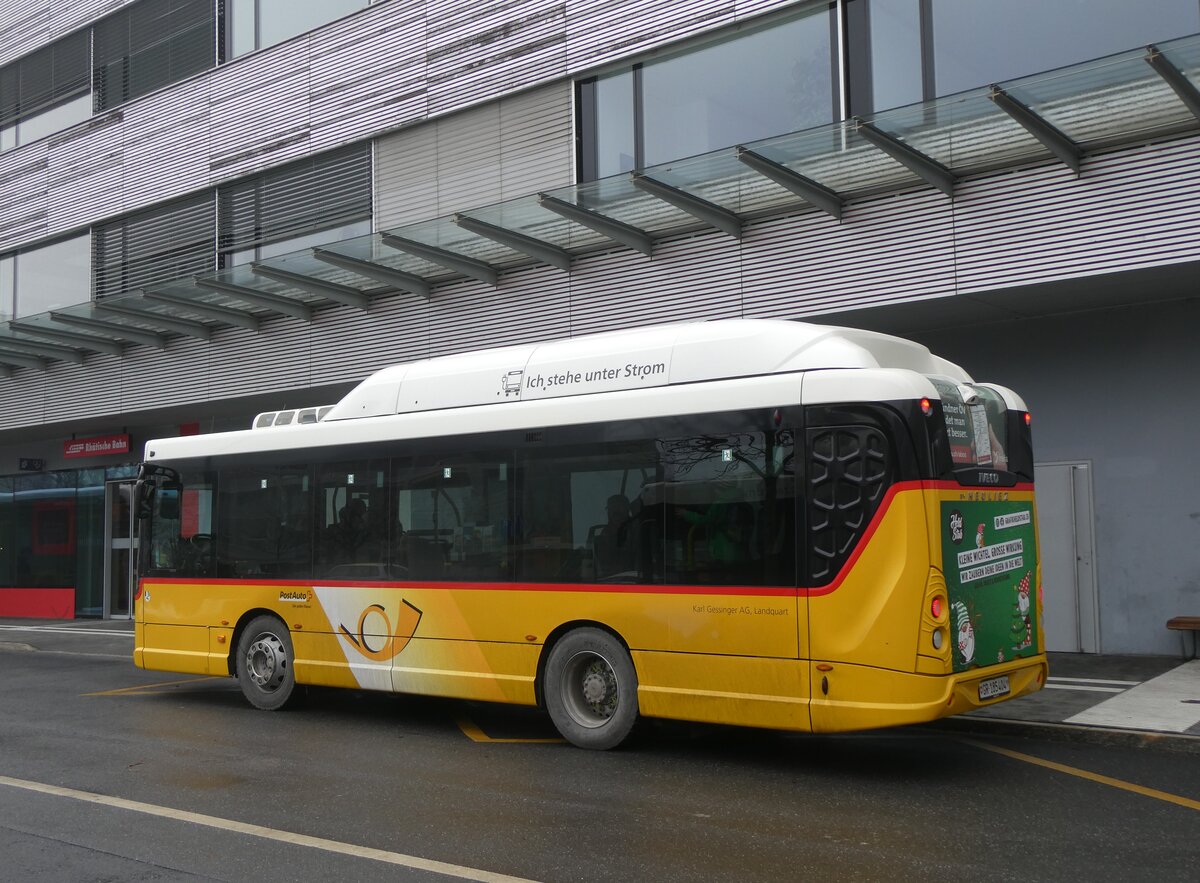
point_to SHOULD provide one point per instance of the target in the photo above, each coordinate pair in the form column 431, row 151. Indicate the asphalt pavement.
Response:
column 1088, row 697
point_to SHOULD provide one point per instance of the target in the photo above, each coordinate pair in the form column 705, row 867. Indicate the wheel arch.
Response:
column 539, row 683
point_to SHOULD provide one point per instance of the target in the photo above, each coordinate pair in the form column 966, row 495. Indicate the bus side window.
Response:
column 351, row 537
column 453, row 518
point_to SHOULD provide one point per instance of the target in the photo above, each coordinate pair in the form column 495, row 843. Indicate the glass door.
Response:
column 120, row 550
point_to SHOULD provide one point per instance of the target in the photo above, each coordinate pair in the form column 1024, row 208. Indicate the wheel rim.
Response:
column 590, row 689
column 266, row 662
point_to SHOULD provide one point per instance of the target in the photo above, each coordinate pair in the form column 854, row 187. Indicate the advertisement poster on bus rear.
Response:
column 989, row 554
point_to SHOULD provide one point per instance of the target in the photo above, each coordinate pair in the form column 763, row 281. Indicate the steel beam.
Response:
column 810, row 191
column 84, row 341
column 450, row 260
column 1052, row 138
column 617, row 231
column 342, row 294
column 262, row 299
column 215, row 312
column 378, row 272
column 1184, row 88
column 22, row 347
column 115, row 329
column 527, row 245
column 710, row 213
column 923, row 166
column 22, row 361
column 167, row 323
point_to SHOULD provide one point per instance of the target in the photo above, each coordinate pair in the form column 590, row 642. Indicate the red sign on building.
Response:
column 97, row 446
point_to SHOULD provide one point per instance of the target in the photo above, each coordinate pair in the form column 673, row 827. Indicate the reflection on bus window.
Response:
column 453, row 519
column 352, row 528
column 729, row 509
column 265, row 523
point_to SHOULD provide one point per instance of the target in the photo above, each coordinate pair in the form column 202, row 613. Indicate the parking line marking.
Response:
column 145, row 688
column 475, row 734
column 335, row 846
column 1087, row 688
column 1087, row 774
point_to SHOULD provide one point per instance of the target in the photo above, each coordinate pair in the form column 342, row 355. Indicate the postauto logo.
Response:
column 299, row 596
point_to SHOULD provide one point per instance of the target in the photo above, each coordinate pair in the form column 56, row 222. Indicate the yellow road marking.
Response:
column 147, row 688
column 334, row 846
column 1087, row 774
column 475, row 734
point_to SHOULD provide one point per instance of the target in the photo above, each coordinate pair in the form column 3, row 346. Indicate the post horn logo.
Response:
column 395, row 642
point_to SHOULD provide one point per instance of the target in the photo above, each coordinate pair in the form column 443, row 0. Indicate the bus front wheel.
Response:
column 591, row 689
column 264, row 664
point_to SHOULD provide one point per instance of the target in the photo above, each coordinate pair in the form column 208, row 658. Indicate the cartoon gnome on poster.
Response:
column 965, row 632
column 1022, row 622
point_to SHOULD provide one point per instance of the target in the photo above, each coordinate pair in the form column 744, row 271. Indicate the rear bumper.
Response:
column 854, row 698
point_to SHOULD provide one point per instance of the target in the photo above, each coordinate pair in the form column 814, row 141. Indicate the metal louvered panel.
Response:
column 180, row 374
column 260, row 111
column 480, row 156
column 367, row 74
column 536, row 149
column 27, row 24
column 533, row 304
column 164, row 243
column 695, row 277
column 885, row 250
column 276, row 358
column 468, row 157
column 161, row 130
column 22, row 398
column 44, row 78
column 72, row 394
column 23, row 214
column 349, row 344
column 600, row 33
column 1129, row 209
column 85, row 159
column 478, row 50
column 406, row 183
column 316, row 193
column 148, row 45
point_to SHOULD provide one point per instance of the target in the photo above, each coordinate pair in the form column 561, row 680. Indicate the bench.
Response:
column 1186, row 624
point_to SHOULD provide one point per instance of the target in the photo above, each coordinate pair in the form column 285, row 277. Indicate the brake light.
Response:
column 1028, row 418
column 927, row 407
column 935, row 607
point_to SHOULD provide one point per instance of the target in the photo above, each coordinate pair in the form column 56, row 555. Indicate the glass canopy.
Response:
column 1062, row 115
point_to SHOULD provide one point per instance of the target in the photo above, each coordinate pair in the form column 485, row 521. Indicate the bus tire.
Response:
column 264, row 664
column 591, row 689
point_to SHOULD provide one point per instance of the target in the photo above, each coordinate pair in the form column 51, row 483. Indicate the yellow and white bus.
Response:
column 750, row 522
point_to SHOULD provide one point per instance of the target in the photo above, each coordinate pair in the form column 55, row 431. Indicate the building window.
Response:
column 905, row 51
column 45, row 91
column 324, row 198
column 151, row 44
column 46, row 278
column 768, row 81
column 173, row 241
column 254, row 24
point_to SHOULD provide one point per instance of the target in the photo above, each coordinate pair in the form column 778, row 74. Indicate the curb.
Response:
column 999, row 726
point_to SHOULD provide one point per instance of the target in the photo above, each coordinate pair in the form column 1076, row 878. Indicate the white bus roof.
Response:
column 743, row 363
column 659, row 355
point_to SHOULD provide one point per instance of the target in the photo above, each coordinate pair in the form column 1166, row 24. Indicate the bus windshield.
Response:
column 976, row 424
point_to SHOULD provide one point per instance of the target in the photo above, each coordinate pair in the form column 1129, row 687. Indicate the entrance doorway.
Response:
column 1064, row 505
column 120, row 550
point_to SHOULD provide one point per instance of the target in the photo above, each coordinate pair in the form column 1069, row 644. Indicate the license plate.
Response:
column 993, row 687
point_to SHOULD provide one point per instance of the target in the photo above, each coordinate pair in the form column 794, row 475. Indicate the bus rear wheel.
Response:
column 591, row 689
column 264, row 664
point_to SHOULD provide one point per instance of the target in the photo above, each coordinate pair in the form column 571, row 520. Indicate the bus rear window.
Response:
column 976, row 424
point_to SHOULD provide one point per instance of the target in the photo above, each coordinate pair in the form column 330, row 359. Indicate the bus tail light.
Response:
column 936, row 606
column 137, row 593
column 927, row 407
column 938, row 638
column 1028, row 419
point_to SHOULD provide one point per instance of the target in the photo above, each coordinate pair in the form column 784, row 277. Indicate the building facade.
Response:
column 212, row 208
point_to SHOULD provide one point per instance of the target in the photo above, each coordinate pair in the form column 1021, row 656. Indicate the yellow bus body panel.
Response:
column 853, row 655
